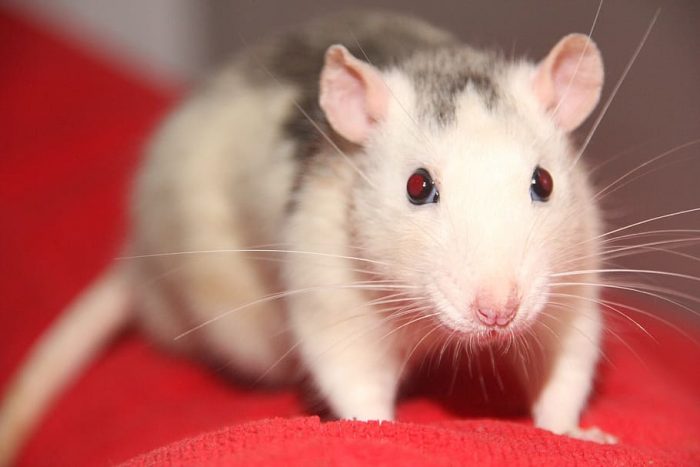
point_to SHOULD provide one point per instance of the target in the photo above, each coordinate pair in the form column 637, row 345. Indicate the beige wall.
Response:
column 165, row 39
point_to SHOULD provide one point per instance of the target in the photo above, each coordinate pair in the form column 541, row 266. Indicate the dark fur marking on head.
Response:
column 382, row 40
column 443, row 74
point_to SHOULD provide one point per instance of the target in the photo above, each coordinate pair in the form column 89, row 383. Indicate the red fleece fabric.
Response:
column 71, row 130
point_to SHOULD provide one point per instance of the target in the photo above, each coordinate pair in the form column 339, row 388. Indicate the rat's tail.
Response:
column 60, row 355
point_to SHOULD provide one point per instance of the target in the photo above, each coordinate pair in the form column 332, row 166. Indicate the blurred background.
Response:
column 172, row 43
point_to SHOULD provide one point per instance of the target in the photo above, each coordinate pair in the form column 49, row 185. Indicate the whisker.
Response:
column 653, row 233
column 287, row 293
column 607, row 306
column 635, row 271
column 654, row 317
column 456, row 360
column 648, row 249
column 482, row 382
column 444, row 346
column 637, row 224
column 602, row 193
column 393, row 95
column 580, row 60
column 630, row 289
column 308, row 117
column 615, row 90
column 522, row 345
column 348, row 340
column 252, row 250
column 576, row 328
column 629, row 250
column 609, row 159
column 394, row 313
column 415, row 347
column 496, row 373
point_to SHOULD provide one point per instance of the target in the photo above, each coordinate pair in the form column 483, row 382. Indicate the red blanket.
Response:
column 71, row 128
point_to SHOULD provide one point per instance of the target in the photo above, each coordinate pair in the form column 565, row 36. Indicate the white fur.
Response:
column 226, row 173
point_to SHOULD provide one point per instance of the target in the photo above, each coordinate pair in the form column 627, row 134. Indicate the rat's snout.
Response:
column 493, row 312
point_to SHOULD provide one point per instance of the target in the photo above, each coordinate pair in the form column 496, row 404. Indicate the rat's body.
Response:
column 241, row 166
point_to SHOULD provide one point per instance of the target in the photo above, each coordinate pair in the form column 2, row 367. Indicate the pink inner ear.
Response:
column 569, row 80
column 353, row 95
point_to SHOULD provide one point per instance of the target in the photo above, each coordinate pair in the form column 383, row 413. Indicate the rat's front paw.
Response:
column 593, row 434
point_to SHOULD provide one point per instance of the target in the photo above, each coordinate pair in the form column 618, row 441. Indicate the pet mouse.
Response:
column 342, row 199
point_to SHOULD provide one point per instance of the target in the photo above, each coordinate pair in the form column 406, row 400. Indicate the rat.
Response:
column 401, row 191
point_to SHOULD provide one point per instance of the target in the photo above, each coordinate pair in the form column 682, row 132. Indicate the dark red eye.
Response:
column 421, row 188
column 541, row 184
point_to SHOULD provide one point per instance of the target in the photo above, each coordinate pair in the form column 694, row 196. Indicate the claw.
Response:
column 593, row 434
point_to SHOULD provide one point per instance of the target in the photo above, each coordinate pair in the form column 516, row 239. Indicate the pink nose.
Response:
column 496, row 316
column 494, row 311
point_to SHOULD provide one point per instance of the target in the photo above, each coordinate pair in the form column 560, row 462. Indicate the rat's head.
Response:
column 471, row 197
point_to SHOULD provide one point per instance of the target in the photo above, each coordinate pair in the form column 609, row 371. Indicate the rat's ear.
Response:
column 569, row 80
column 353, row 94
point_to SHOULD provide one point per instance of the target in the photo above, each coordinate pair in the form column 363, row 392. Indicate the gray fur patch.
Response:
column 438, row 66
column 442, row 74
column 384, row 40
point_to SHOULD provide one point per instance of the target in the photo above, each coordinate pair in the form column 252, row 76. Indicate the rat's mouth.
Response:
column 500, row 335
column 462, row 323
column 502, row 338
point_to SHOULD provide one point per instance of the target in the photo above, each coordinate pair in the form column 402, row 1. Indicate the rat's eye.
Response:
column 421, row 188
column 541, row 185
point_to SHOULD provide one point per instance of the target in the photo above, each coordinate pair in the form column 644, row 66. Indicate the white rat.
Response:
column 423, row 193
